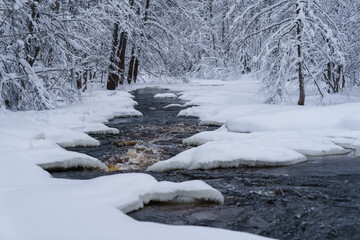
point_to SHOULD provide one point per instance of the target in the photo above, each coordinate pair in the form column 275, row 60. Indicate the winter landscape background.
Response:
column 278, row 79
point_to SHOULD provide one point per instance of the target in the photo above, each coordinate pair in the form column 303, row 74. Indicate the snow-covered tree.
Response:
column 52, row 50
column 300, row 42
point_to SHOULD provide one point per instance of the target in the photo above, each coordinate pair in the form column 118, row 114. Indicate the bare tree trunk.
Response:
column 122, row 51
column 78, row 80
column 301, row 76
column 32, row 48
column 86, row 75
column 343, row 80
column 136, row 69
column 131, row 65
column 113, row 78
column 134, row 61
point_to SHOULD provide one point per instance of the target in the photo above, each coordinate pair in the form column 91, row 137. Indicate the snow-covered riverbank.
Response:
column 36, row 206
column 261, row 134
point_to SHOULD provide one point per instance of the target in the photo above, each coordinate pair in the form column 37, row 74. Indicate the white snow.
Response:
column 345, row 116
column 174, row 106
column 307, row 143
column 165, row 95
column 39, row 134
column 68, row 216
column 74, row 209
column 229, row 154
column 36, row 206
column 308, row 130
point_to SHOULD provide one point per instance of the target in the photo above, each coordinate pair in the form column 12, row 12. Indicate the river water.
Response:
column 318, row 199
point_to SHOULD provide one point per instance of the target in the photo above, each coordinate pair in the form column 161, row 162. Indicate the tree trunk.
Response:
column 121, row 55
column 136, row 69
column 113, row 78
column 131, row 66
column 137, row 61
column 301, row 76
column 32, row 49
column 146, row 10
column 86, row 75
column 78, row 80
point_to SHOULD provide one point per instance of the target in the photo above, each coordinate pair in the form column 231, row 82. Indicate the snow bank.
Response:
column 129, row 192
column 55, row 215
column 218, row 114
column 174, row 106
column 35, row 206
column 309, row 130
column 345, row 116
column 38, row 135
column 229, row 154
column 165, row 95
column 307, row 143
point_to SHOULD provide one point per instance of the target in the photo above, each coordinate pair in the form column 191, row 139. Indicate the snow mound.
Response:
column 70, row 138
column 165, row 95
column 95, row 128
column 173, row 105
column 58, row 215
column 210, row 123
column 347, row 139
column 226, row 154
column 307, row 143
column 301, row 118
column 144, row 188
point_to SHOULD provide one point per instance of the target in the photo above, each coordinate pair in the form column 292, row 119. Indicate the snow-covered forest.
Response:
column 52, row 50
column 120, row 119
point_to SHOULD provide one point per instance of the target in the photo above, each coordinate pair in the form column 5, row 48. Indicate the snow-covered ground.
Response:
column 165, row 95
column 257, row 134
column 35, row 206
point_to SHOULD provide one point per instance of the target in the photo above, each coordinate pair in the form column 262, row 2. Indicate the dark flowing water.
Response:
column 318, row 199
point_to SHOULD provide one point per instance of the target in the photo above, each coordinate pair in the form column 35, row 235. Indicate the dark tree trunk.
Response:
column 136, row 58
column 122, row 48
column 329, row 70
column 136, row 69
column 131, row 66
column 32, row 47
column 78, row 80
column 86, row 77
column 301, row 76
column 113, row 78
column 146, row 10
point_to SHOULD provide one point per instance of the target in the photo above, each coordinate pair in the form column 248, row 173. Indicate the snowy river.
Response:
column 317, row 199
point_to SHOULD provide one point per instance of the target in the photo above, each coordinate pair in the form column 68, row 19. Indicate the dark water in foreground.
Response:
column 318, row 199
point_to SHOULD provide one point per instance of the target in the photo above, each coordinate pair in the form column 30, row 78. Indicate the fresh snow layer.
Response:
column 165, row 95
column 35, row 206
column 343, row 116
column 78, row 209
column 229, row 154
column 52, row 215
column 174, row 106
column 39, row 134
column 310, row 130
column 305, row 143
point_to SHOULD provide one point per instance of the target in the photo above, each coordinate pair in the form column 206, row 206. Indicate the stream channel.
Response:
column 318, row 199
